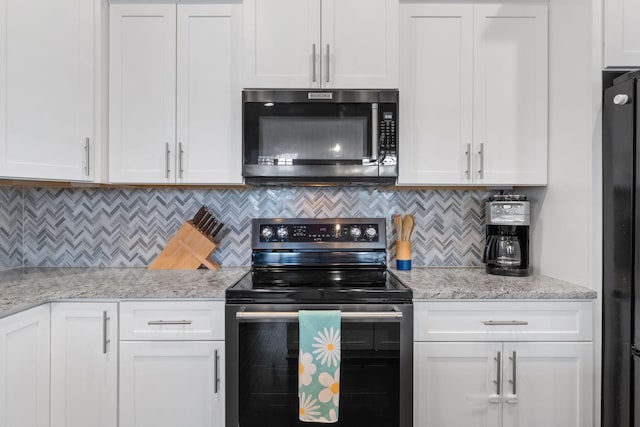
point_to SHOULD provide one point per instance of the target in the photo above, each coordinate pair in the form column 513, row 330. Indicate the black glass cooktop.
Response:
column 319, row 285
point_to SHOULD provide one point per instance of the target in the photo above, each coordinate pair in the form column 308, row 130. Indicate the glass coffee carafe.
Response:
column 508, row 253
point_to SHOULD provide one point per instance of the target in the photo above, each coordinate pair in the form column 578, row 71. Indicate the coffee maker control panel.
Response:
column 508, row 213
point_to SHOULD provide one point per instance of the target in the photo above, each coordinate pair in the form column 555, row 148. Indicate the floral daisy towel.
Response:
column 319, row 365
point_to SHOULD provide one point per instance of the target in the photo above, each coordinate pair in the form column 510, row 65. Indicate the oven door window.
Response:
column 369, row 376
column 289, row 134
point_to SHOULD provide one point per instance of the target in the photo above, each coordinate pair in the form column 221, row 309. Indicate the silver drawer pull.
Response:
column 505, row 322
column 293, row 315
column 168, row 322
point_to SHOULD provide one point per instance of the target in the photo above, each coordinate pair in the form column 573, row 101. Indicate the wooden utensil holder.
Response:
column 187, row 250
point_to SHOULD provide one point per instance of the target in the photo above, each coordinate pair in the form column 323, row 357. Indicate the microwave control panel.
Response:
column 388, row 126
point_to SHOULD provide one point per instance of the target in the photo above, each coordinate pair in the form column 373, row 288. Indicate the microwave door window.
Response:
column 307, row 133
column 313, row 140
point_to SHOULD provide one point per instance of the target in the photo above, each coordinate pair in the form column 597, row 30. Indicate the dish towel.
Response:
column 319, row 366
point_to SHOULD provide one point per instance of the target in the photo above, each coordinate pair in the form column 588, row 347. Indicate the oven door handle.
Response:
column 293, row 315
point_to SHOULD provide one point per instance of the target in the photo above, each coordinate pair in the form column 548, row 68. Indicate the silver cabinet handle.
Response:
column 498, row 379
column 513, row 373
column 216, row 376
column 374, row 132
column 167, row 155
column 505, row 322
column 313, row 56
column 180, row 160
column 87, row 161
column 468, row 155
column 328, row 67
column 168, row 322
column 481, row 170
column 293, row 315
column 105, row 339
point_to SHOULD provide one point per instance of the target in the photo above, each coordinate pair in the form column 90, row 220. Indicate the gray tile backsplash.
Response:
column 11, row 213
column 129, row 227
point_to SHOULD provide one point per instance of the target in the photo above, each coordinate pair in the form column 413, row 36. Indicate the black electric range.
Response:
column 319, row 261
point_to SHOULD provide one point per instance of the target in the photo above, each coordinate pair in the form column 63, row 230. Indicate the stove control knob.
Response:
column 282, row 232
column 371, row 232
column 355, row 232
column 267, row 232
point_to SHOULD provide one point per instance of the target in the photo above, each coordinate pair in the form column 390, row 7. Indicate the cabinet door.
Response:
column 436, row 76
column 553, row 384
column 84, row 365
column 142, row 93
column 621, row 33
column 280, row 37
column 510, row 94
column 46, row 88
column 360, row 43
column 24, row 368
column 208, row 90
column 168, row 384
column 454, row 385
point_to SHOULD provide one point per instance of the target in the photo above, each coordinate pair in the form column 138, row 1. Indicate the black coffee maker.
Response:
column 507, row 247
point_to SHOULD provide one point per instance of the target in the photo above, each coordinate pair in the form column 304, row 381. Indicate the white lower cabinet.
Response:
column 169, row 380
column 84, row 365
column 494, row 380
column 24, row 368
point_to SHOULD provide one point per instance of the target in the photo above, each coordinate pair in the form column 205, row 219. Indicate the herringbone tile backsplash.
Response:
column 11, row 209
column 129, row 227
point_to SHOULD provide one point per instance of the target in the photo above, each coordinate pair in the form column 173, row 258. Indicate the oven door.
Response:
column 375, row 373
column 286, row 135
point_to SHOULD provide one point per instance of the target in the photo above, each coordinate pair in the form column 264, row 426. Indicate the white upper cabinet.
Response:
column 280, row 38
column 47, row 89
column 142, row 93
column 510, row 100
column 436, row 93
column 209, row 83
column 473, row 104
column 621, row 33
column 175, row 104
column 321, row 43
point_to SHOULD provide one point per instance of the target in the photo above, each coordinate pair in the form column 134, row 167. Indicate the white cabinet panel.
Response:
column 168, row 384
column 321, row 44
column 208, row 94
column 436, row 93
column 454, row 385
column 84, row 365
column 142, row 93
column 621, row 33
column 46, row 88
column 24, row 368
column 362, row 41
column 279, row 39
column 160, row 320
column 510, row 94
column 554, row 384
column 473, row 102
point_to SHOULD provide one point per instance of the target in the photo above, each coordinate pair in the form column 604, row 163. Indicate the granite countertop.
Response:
column 24, row 288
column 474, row 283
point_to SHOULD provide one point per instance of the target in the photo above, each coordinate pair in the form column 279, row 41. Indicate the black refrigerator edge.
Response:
column 621, row 251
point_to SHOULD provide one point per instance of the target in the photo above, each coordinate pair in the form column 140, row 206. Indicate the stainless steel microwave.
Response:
column 323, row 136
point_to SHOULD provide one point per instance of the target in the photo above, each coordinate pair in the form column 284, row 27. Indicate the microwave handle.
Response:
column 374, row 132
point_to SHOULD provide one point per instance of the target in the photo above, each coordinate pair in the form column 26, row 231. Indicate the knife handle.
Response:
column 215, row 232
column 196, row 219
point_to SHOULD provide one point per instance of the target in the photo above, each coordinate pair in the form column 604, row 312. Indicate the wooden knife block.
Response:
column 187, row 250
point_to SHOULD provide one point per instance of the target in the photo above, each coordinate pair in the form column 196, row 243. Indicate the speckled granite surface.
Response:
column 474, row 283
column 24, row 288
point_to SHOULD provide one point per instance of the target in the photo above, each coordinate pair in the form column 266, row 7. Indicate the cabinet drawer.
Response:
column 172, row 320
column 503, row 321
